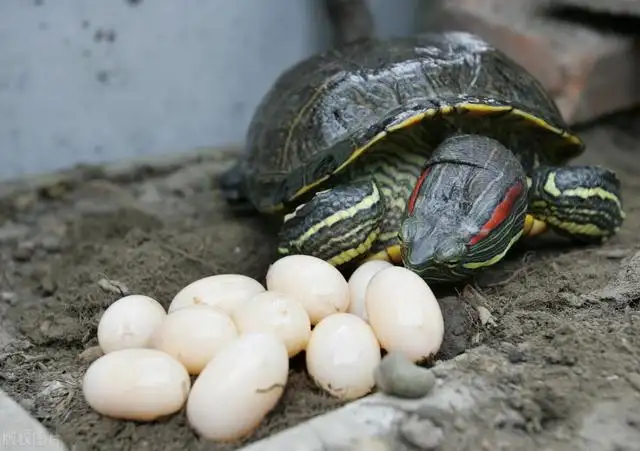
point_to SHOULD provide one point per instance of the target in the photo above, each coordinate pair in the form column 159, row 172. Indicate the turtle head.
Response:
column 466, row 210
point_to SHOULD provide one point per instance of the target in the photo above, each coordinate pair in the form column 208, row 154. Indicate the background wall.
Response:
column 88, row 81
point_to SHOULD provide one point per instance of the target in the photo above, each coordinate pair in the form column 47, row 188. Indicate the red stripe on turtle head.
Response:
column 416, row 189
column 501, row 212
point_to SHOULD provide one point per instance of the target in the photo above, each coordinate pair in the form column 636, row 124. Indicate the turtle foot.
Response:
column 339, row 225
column 583, row 203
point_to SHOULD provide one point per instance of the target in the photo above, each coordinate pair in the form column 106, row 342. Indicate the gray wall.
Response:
column 87, row 81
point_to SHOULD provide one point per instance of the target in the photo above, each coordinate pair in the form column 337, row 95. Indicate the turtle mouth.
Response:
column 423, row 247
column 436, row 260
column 433, row 263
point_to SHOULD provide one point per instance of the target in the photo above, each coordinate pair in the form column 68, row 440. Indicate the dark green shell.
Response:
column 322, row 110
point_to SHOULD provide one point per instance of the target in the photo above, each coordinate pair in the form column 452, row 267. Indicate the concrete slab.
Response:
column 378, row 422
column 21, row 432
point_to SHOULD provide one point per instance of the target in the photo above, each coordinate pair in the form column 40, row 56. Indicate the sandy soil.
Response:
column 565, row 317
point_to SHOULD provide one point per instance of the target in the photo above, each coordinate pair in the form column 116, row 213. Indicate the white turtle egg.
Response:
column 318, row 286
column 404, row 313
column 276, row 313
column 194, row 334
column 136, row 384
column 226, row 291
column 342, row 356
column 358, row 285
column 238, row 387
column 130, row 322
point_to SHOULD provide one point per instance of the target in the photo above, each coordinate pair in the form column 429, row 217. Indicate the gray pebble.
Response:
column 9, row 297
column 51, row 243
column 459, row 424
column 398, row 376
column 91, row 354
column 421, row 433
column 11, row 232
column 24, row 251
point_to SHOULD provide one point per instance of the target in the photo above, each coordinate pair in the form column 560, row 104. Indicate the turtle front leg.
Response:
column 581, row 202
column 337, row 225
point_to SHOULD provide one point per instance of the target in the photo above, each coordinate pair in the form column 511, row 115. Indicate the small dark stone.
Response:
column 565, row 329
column 509, row 419
column 24, row 251
column 48, row 285
column 517, row 356
column 561, row 357
column 461, row 323
column 51, row 243
column 9, row 297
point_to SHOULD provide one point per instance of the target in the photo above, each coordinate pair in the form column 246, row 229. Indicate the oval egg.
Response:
column 130, row 322
column 358, row 283
column 238, row 388
column 342, row 356
column 318, row 286
column 276, row 313
column 225, row 291
column 193, row 335
column 136, row 384
column 404, row 313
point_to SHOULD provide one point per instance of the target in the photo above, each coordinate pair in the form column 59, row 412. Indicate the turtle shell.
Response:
column 327, row 111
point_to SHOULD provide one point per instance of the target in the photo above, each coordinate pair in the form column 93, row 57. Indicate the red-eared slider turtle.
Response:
column 435, row 151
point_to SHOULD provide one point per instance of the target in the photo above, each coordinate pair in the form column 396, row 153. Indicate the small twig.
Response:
column 515, row 274
column 113, row 286
column 36, row 358
column 188, row 256
column 472, row 295
column 267, row 390
column 25, row 358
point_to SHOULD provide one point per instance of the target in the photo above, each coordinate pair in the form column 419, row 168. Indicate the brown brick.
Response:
column 626, row 7
column 589, row 73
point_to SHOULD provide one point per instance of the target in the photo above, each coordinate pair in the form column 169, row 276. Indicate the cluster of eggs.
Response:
column 235, row 338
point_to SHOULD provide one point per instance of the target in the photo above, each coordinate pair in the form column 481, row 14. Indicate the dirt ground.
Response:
column 565, row 317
